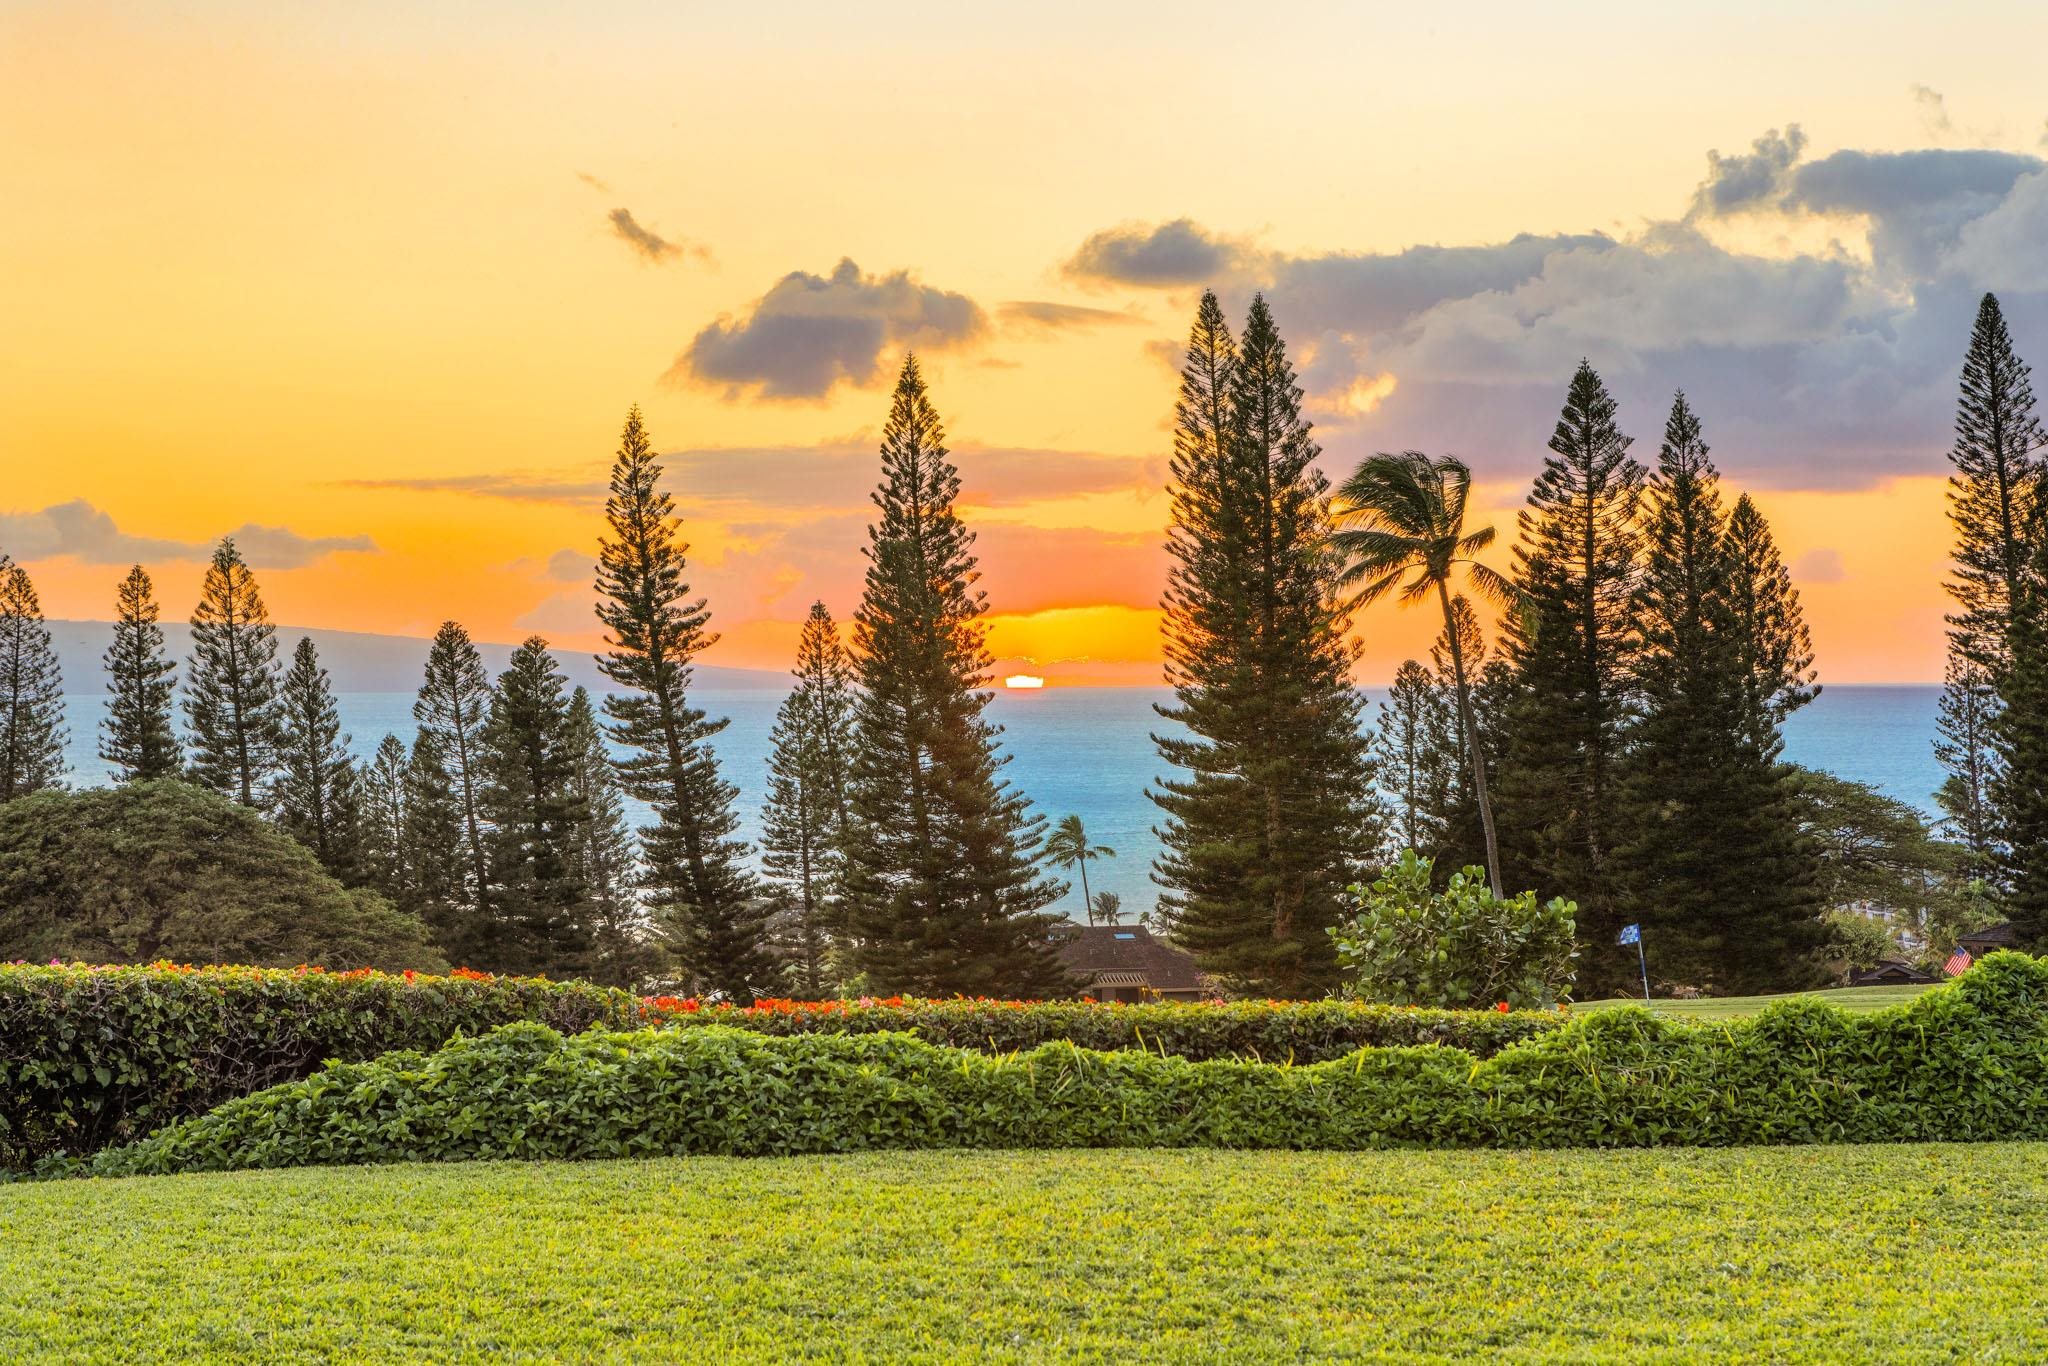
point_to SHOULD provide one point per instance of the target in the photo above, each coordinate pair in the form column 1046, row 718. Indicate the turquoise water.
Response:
column 1088, row 751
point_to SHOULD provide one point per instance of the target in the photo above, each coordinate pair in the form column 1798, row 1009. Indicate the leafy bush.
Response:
column 1268, row 1031
column 1463, row 946
column 168, row 870
column 95, row 1056
column 1968, row 1062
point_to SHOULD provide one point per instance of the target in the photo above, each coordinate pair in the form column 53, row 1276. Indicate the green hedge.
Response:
column 1259, row 1031
column 1966, row 1063
column 93, row 1056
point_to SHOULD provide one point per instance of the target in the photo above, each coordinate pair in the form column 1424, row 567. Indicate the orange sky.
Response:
column 383, row 279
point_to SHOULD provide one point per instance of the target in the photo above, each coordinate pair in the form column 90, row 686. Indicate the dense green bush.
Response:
column 1969, row 1062
column 1408, row 944
column 1261, row 1031
column 169, row 870
column 95, row 1056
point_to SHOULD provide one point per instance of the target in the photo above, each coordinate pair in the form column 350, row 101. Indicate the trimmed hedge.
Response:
column 94, row 1056
column 1969, row 1062
column 1259, row 1031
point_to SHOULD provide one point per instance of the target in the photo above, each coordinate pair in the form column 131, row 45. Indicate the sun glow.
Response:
column 1025, row 681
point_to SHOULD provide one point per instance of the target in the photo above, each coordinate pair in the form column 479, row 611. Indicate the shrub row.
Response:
column 1966, row 1063
column 1260, row 1031
column 95, row 1056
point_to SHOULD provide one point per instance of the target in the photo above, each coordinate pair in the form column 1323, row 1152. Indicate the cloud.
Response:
column 811, row 333
column 1739, row 182
column 1816, row 310
column 1034, row 315
column 649, row 245
column 80, row 531
column 1933, row 109
column 1822, row 564
column 277, row 547
column 513, row 486
column 571, row 566
column 1181, row 252
column 593, row 182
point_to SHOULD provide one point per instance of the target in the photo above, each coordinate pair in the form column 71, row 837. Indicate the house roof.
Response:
column 2001, row 933
column 1127, row 955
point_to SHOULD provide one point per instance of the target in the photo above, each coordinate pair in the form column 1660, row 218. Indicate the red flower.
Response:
column 1502, row 1007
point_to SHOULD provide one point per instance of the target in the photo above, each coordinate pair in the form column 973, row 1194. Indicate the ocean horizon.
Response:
column 1088, row 752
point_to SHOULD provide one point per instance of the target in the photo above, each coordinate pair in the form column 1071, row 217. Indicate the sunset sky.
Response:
column 373, row 285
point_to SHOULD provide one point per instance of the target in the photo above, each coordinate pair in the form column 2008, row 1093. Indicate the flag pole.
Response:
column 1644, row 964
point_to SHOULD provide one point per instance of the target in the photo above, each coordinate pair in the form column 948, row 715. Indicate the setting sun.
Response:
column 1024, row 681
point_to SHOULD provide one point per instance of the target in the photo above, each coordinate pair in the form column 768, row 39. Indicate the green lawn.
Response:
column 1728, row 1007
column 1792, row 1254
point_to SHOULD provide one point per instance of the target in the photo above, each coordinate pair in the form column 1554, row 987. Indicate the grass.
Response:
column 1900, row 1254
column 1729, row 1007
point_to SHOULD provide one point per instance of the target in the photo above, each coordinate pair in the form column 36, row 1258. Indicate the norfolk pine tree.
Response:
column 710, row 907
column 31, row 691
column 1568, row 645
column 1275, row 812
column 452, row 707
column 314, row 797
column 944, row 890
column 806, row 820
column 137, row 737
column 622, row 952
column 535, row 816
column 231, row 684
column 1710, row 859
column 386, row 864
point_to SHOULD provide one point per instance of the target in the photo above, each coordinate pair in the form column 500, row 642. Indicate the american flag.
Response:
column 1958, row 963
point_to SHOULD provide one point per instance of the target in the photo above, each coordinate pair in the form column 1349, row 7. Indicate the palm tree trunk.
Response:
column 1472, row 741
column 1087, row 903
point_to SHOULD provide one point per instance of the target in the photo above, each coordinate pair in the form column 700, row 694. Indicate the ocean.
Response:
column 1088, row 751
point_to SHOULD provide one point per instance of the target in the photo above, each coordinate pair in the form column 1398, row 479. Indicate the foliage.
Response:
column 167, row 869
column 1068, row 847
column 1854, row 942
column 1777, row 649
column 1463, row 946
column 1273, row 1031
column 137, row 737
column 1877, row 852
column 1800, row 1256
column 31, row 691
column 231, row 684
column 1967, row 1063
column 1569, row 645
column 705, row 900
column 92, row 1056
column 623, row 949
column 1272, row 811
column 943, row 888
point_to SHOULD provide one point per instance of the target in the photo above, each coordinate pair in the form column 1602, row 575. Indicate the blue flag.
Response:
column 1630, row 934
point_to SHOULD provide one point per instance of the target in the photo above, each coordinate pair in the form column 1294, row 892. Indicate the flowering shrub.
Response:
column 91, row 1056
column 1966, row 1062
column 1273, row 1031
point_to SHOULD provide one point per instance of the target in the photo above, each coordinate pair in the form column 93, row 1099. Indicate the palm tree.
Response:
column 1106, row 909
column 1068, row 846
column 1405, row 514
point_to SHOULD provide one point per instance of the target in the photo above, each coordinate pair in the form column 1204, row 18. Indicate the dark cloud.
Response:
column 1745, row 180
column 647, row 244
column 1182, row 252
column 593, row 182
column 650, row 245
column 80, row 531
column 1036, row 315
column 811, row 333
column 1380, row 291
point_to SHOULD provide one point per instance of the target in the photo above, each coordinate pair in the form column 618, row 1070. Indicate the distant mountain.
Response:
column 360, row 662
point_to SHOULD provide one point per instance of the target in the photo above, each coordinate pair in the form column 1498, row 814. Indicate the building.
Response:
column 1892, row 972
column 1125, row 963
column 1990, row 939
